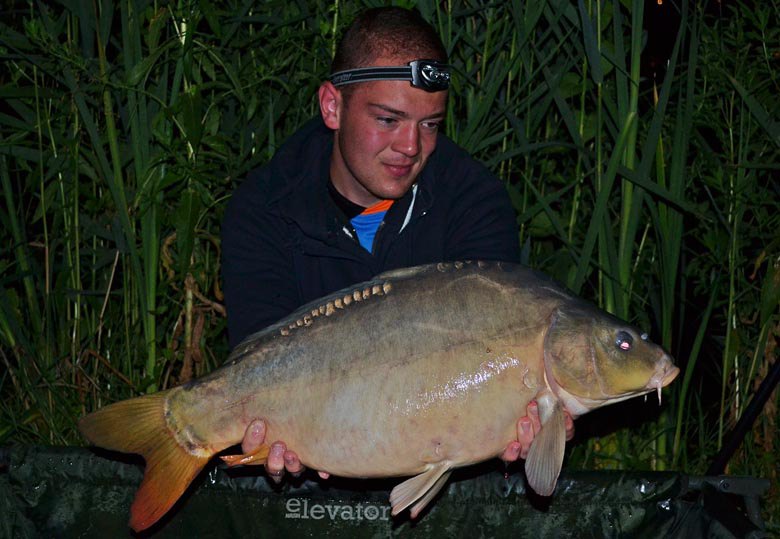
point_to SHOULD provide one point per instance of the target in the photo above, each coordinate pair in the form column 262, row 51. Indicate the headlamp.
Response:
column 430, row 75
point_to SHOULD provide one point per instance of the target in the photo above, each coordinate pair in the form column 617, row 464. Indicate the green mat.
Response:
column 76, row 492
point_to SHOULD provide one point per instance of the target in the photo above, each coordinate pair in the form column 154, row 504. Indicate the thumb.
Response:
column 254, row 436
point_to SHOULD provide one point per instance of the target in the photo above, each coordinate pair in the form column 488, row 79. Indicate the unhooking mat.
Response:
column 77, row 492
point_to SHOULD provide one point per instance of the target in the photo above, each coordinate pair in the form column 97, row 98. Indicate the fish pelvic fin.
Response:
column 253, row 458
column 545, row 457
column 139, row 426
column 421, row 487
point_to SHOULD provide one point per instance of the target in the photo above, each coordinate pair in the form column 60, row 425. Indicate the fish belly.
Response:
column 459, row 405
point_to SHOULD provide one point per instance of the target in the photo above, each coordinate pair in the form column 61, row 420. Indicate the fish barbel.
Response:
column 414, row 373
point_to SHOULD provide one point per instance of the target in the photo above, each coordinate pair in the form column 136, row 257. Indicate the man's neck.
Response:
column 349, row 208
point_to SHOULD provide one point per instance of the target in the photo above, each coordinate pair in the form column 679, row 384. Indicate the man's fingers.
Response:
column 533, row 415
column 323, row 475
column 512, row 452
column 525, row 435
column 292, row 464
column 569, row 421
column 253, row 436
column 274, row 466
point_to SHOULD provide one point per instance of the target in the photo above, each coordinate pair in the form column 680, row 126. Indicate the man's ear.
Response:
column 330, row 105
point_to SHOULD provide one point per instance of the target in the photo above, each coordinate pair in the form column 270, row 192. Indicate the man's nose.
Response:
column 407, row 140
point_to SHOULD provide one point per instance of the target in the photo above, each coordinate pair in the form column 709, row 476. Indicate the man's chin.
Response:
column 396, row 188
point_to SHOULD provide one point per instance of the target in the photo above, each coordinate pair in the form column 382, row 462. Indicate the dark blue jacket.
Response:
column 285, row 244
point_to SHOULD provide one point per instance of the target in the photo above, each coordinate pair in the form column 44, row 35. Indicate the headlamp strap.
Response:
column 366, row 74
column 429, row 75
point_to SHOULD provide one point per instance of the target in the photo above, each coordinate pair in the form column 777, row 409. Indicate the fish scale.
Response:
column 414, row 373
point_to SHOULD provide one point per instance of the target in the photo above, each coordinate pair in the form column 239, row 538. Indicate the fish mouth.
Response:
column 664, row 374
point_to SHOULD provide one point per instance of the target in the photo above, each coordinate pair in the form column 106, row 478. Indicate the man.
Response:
column 370, row 186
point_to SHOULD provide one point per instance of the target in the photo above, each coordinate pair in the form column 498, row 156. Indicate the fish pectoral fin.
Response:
column 258, row 456
column 545, row 457
column 421, row 487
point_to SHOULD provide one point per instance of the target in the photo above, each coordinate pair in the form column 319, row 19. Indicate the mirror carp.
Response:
column 414, row 373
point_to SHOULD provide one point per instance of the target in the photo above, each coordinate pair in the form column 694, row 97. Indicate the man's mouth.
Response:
column 399, row 171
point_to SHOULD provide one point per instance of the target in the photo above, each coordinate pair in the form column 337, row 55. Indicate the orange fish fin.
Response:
column 420, row 487
column 169, row 470
column 258, row 456
column 138, row 426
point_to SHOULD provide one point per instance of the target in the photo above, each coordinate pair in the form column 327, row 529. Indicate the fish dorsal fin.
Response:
column 421, row 487
column 449, row 267
column 440, row 267
column 545, row 457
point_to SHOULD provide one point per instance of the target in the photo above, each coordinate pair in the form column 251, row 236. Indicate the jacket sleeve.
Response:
column 481, row 222
column 256, row 264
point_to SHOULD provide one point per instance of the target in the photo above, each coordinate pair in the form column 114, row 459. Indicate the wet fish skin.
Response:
column 416, row 372
column 422, row 370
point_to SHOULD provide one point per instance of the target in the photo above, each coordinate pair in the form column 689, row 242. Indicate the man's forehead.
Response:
column 400, row 97
column 437, row 112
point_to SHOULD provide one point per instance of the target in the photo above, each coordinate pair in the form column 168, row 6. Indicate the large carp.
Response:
column 414, row 373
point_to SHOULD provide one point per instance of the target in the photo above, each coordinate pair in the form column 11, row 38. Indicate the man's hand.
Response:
column 279, row 457
column 527, row 428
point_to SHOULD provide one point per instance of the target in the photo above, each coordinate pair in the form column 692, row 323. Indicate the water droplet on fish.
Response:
column 665, row 505
column 506, row 476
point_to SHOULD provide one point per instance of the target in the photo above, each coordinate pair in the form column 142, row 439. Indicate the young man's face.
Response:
column 385, row 133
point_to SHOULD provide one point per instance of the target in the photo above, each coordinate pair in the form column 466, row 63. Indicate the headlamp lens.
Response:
column 430, row 75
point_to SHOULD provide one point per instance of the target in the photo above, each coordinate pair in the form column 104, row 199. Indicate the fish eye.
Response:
column 624, row 341
column 643, row 336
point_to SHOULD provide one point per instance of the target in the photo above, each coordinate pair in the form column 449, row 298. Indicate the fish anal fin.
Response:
column 425, row 500
column 545, row 456
column 139, row 426
column 421, row 487
column 258, row 456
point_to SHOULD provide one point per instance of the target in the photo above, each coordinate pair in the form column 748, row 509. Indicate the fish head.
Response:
column 593, row 359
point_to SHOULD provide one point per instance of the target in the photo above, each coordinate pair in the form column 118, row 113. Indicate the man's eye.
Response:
column 431, row 126
column 386, row 121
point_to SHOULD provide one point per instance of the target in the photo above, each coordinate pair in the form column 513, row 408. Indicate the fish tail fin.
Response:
column 139, row 426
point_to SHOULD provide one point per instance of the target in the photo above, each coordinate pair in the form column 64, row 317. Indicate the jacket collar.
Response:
column 300, row 172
